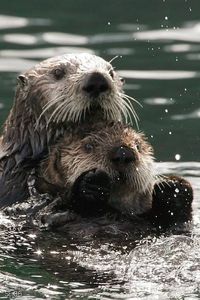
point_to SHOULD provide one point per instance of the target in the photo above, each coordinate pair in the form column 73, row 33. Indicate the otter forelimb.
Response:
column 172, row 202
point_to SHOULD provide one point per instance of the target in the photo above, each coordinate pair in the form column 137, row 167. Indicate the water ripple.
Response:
column 193, row 56
column 64, row 38
column 193, row 115
column 15, row 64
column 12, row 22
column 43, row 52
column 120, row 51
column 24, row 39
column 110, row 38
column 159, row 101
column 174, row 274
column 181, row 168
column 191, row 34
column 7, row 22
column 158, row 74
column 181, row 48
column 132, row 27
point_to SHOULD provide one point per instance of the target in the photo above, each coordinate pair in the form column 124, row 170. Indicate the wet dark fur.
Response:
column 22, row 146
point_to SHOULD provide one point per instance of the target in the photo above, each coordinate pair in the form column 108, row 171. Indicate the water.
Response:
column 158, row 45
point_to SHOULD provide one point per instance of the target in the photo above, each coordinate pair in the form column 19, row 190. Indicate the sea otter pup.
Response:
column 116, row 150
column 63, row 90
column 99, row 169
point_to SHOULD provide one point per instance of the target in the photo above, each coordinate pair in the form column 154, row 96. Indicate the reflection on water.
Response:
column 186, row 34
column 158, row 75
column 158, row 56
column 42, row 52
column 15, row 64
column 193, row 115
column 7, row 22
column 64, row 38
column 12, row 22
column 159, row 101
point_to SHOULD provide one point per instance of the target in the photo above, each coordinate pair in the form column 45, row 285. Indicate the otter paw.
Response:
column 56, row 220
column 93, row 185
column 91, row 192
column 172, row 201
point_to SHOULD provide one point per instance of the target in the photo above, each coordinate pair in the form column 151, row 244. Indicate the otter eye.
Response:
column 137, row 146
column 88, row 147
column 122, row 80
column 111, row 72
column 58, row 73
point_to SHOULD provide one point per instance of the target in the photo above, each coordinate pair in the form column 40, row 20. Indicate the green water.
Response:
column 158, row 44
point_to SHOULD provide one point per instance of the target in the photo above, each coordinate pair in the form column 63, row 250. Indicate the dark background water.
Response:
column 158, row 44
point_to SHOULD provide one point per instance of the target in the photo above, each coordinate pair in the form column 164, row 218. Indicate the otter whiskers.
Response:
column 127, row 102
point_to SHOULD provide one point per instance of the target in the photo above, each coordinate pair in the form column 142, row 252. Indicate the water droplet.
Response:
column 68, row 257
column 177, row 190
column 177, row 157
column 166, row 110
column 166, row 18
column 38, row 252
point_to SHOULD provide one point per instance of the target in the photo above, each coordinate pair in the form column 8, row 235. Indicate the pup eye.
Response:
column 58, row 73
column 137, row 146
column 88, row 147
column 111, row 72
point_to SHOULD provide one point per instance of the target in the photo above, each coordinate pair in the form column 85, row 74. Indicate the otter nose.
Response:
column 122, row 155
column 96, row 84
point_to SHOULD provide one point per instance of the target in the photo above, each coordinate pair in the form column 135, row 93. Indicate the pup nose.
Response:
column 122, row 155
column 96, row 84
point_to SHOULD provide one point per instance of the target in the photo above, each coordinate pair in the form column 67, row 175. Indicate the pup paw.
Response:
column 172, row 201
column 91, row 192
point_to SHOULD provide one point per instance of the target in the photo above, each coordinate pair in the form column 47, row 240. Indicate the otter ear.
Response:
column 22, row 80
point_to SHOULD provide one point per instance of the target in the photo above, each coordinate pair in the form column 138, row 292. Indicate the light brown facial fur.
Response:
column 95, row 148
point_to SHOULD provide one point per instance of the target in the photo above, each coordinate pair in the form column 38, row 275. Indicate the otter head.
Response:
column 74, row 88
column 118, row 150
